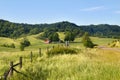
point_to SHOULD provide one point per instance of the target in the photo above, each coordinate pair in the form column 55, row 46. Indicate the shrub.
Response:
column 24, row 43
column 87, row 41
column 9, row 45
column 22, row 48
column 69, row 36
column 61, row 50
column 12, row 45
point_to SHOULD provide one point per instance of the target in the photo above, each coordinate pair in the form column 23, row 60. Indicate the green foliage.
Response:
column 12, row 45
column 61, row 50
column 22, row 47
column 9, row 46
column 32, row 73
column 34, row 31
column 95, row 65
column 50, row 34
column 54, row 37
column 15, row 30
column 103, row 30
column 69, row 36
column 24, row 43
column 87, row 41
column 115, row 43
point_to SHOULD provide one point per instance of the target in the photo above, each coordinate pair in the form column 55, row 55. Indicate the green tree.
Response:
column 69, row 36
column 24, row 43
column 87, row 41
column 34, row 31
column 12, row 45
column 54, row 37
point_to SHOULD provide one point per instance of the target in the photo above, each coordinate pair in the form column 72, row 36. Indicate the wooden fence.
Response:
column 10, row 71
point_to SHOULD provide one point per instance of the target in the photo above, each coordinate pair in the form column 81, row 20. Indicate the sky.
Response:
column 80, row 12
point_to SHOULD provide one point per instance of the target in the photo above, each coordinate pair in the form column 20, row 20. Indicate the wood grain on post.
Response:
column 20, row 62
column 31, row 55
column 11, row 68
column 40, row 52
column 5, row 76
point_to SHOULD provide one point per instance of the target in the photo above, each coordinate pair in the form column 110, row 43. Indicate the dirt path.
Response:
column 109, row 48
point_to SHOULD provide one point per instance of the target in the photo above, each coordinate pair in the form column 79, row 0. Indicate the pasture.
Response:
column 88, row 64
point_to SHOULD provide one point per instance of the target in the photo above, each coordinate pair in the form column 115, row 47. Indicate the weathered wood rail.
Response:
column 12, row 69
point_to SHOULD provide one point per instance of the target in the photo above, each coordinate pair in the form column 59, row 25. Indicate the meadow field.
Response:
column 87, row 64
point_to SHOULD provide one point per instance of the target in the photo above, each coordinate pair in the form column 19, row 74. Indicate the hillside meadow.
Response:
column 87, row 64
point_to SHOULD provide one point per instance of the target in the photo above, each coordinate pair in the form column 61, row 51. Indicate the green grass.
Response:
column 88, row 64
column 60, row 50
column 101, row 41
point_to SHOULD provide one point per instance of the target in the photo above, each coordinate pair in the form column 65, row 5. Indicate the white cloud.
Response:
column 96, row 8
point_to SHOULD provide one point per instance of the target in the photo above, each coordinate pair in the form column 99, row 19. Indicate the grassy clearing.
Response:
column 88, row 64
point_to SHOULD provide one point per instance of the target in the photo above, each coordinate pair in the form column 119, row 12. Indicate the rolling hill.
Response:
column 14, row 30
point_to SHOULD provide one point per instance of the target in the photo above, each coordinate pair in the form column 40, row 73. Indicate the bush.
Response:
column 61, row 50
column 69, row 36
column 88, row 44
column 12, row 45
column 22, row 48
column 87, row 41
column 9, row 46
column 24, row 43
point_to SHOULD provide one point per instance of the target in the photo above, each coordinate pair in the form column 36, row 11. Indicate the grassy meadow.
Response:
column 87, row 64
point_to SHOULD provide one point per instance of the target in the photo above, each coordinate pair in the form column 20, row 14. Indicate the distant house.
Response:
column 47, row 41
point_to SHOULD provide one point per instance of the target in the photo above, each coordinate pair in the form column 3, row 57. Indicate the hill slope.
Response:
column 88, row 64
column 10, row 29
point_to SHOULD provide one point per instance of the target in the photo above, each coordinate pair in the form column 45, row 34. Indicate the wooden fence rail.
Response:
column 12, row 69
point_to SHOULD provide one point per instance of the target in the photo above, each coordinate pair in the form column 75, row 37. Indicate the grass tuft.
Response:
column 59, row 50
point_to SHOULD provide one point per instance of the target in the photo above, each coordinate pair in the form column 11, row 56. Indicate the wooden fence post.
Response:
column 11, row 68
column 20, row 62
column 40, row 52
column 5, row 76
column 31, row 56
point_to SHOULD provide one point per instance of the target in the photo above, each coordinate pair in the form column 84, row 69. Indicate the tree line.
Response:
column 15, row 30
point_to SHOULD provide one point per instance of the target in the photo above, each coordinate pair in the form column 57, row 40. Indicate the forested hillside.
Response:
column 14, row 30
column 103, row 30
